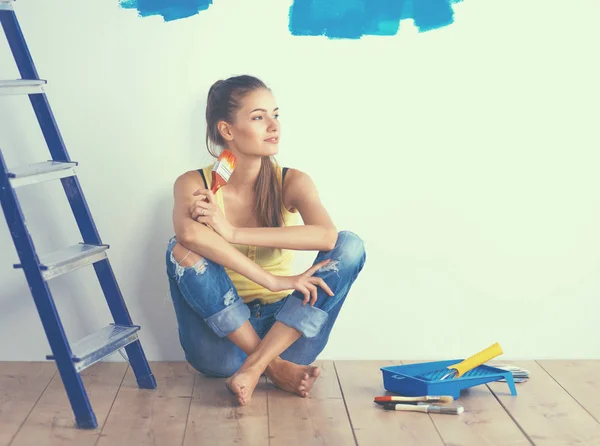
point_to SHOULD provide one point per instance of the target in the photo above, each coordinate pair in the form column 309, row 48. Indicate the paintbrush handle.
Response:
column 477, row 359
column 410, row 408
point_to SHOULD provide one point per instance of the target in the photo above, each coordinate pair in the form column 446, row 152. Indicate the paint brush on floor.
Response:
column 426, row 408
column 519, row 374
column 441, row 399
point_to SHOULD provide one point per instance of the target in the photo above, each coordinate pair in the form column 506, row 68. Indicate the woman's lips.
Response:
column 272, row 140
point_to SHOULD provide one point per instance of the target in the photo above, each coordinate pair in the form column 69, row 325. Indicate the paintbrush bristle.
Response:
column 446, row 410
column 222, row 170
column 225, row 164
column 228, row 159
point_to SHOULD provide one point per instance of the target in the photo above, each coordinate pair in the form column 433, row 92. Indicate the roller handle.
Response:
column 476, row 360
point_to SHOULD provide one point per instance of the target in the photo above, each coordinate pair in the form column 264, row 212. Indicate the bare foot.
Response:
column 293, row 378
column 242, row 384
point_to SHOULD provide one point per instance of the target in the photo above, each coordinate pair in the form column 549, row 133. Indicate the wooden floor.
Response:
column 559, row 405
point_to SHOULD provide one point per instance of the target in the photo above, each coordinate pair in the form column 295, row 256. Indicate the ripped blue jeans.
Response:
column 208, row 308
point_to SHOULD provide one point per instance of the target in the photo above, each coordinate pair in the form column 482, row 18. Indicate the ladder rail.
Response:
column 30, row 261
column 58, row 150
column 43, row 298
column 49, row 127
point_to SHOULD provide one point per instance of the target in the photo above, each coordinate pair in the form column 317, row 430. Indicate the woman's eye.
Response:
column 256, row 117
column 276, row 116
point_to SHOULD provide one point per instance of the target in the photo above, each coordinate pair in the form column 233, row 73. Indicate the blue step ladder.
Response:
column 70, row 359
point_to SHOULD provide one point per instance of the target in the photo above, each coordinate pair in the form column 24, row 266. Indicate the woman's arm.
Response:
column 207, row 243
column 318, row 232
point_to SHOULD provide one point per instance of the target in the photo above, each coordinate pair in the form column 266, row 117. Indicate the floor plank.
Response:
column 581, row 379
column 151, row 416
column 52, row 422
column 559, row 405
column 319, row 419
column 546, row 412
column 215, row 419
column 360, row 382
column 483, row 422
column 21, row 385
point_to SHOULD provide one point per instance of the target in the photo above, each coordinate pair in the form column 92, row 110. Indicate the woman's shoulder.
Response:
column 207, row 167
column 195, row 175
column 294, row 177
column 295, row 183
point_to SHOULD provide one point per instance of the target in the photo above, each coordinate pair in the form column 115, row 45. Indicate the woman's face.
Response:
column 255, row 130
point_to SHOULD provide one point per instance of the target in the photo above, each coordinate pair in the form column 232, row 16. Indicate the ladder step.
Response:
column 100, row 344
column 69, row 259
column 21, row 86
column 6, row 5
column 40, row 172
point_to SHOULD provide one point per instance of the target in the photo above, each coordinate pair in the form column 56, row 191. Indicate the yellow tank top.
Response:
column 274, row 260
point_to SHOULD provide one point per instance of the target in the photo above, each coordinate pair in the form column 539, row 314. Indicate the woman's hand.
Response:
column 304, row 283
column 205, row 210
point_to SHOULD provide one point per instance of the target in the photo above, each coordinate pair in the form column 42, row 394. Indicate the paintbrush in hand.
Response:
column 222, row 170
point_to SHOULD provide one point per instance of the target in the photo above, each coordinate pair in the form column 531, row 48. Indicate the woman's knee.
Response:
column 181, row 259
column 185, row 257
column 208, row 290
column 195, row 270
column 351, row 248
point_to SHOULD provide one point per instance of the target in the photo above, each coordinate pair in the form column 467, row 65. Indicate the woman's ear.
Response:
column 225, row 130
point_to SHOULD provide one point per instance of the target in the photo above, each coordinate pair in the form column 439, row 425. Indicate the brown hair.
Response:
column 224, row 100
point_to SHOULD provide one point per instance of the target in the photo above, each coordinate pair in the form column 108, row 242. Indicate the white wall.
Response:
column 465, row 157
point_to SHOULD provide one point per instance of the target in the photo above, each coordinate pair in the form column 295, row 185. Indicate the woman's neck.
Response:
column 245, row 174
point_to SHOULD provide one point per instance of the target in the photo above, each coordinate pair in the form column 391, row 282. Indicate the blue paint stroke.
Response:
column 168, row 9
column 352, row 19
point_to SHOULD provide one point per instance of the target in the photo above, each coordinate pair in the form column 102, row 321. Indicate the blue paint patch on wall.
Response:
column 168, row 9
column 336, row 19
column 352, row 19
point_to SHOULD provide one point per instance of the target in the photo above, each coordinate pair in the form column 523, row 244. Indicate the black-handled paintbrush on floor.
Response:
column 427, row 408
column 441, row 399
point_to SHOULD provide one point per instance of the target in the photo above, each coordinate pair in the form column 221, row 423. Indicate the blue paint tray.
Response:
column 424, row 378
